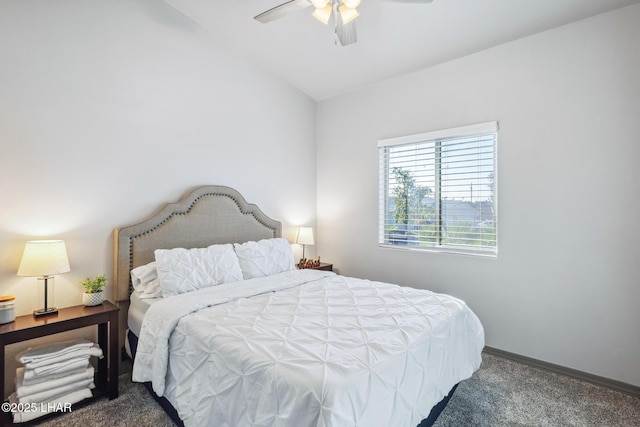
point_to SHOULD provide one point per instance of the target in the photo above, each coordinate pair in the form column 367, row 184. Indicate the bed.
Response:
column 236, row 336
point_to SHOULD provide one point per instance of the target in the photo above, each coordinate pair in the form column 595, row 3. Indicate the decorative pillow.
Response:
column 265, row 257
column 184, row 270
column 143, row 275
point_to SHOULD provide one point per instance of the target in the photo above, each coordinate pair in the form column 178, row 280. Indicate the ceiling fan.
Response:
column 343, row 13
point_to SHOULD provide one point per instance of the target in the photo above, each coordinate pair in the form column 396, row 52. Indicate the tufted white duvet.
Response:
column 307, row 348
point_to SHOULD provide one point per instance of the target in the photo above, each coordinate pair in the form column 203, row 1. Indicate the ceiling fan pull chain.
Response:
column 334, row 5
column 334, row 12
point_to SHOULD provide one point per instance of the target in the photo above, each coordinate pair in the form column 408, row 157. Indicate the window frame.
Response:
column 436, row 138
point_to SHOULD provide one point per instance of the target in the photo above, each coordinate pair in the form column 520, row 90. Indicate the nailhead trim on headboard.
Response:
column 183, row 207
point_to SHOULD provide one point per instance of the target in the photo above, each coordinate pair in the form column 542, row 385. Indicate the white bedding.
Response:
column 137, row 309
column 307, row 348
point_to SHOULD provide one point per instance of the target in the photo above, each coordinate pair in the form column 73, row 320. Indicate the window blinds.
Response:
column 438, row 190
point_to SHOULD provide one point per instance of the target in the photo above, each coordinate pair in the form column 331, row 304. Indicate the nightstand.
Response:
column 324, row 266
column 105, row 316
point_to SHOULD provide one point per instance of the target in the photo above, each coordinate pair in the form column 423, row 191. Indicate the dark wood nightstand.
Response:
column 324, row 266
column 105, row 316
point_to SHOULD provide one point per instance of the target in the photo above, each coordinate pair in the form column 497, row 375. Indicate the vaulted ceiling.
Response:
column 393, row 38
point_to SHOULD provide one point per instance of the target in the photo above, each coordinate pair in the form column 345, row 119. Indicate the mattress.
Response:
column 307, row 348
column 137, row 309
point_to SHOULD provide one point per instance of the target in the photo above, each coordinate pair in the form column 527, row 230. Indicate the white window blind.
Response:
column 438, row 190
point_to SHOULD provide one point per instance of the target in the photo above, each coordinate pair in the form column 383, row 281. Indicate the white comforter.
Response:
column 307, row 348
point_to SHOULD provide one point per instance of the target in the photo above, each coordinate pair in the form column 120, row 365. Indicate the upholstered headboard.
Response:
column 205, row 216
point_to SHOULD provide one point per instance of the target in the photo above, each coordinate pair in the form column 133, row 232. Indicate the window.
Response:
column 438, row 190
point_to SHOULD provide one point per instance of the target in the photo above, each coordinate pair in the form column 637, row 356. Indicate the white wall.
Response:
column 108, row 109
column 565, row 286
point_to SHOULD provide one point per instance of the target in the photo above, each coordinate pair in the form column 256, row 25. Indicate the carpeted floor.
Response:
column 501, row 393
column 507, row 393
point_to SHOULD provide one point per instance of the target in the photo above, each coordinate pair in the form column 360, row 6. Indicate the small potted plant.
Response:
column 94, row 293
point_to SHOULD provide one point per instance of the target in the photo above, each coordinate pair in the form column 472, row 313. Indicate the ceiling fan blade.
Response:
column 346, row 33
column 282, row 10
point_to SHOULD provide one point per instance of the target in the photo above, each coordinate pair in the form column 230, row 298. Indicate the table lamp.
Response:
column 43, row 259
column 304, row 236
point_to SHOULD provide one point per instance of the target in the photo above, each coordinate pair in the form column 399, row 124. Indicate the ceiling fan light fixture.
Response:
column 319, row 4
column 348, row 14
column 323, row 14
column 351, row 4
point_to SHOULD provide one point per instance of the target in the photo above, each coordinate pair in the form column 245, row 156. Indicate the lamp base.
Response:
column 45, row 312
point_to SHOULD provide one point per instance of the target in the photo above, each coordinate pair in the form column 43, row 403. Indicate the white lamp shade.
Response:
column 351, row 4
column 348, row 14
column 319, row 4
column 304, row 236
column 44, row 258
column 323, row 14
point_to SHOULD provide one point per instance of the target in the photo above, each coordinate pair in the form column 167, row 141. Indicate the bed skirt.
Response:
column 173, row 414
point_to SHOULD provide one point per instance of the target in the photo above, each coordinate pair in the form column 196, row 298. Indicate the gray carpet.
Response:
column 501, row 393
column 507, row 393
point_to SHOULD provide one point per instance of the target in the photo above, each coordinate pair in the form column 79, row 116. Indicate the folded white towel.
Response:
column 95, row 350
column 46, row 351
column 64, row 366
column 47, row 407
column 47, row 395
column 70, row 367
column 25, row 390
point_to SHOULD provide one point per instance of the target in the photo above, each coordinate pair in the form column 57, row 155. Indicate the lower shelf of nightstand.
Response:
column 6, row 418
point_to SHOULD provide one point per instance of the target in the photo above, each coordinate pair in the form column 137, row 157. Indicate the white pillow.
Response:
column 265, row 257
column 152, row 290
column 184, row 270
column 143, row 275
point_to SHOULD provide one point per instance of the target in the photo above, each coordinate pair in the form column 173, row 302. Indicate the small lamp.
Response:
column 304, row 236
column 43, row 259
